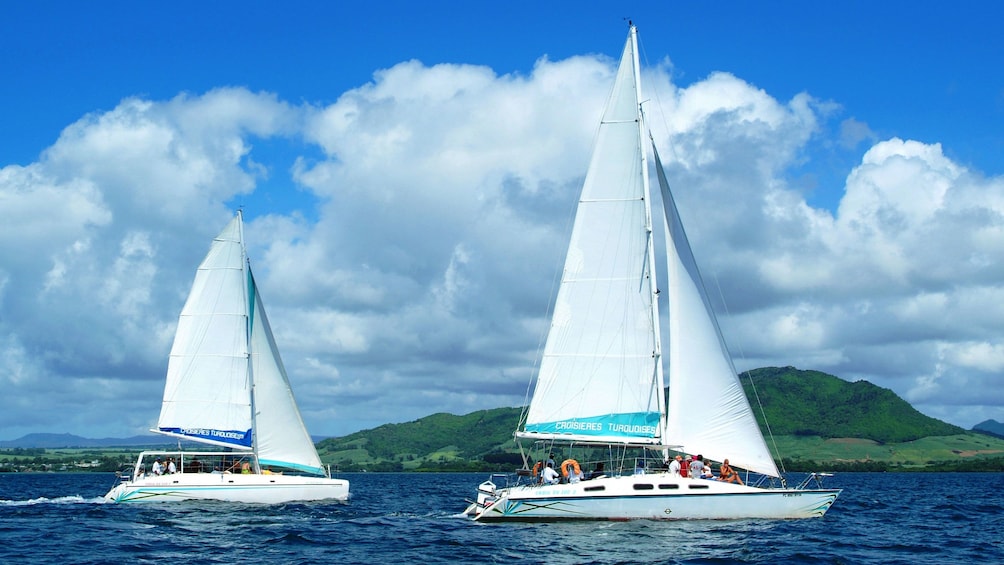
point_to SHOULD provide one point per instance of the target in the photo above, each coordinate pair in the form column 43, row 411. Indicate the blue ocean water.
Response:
column 410, row 518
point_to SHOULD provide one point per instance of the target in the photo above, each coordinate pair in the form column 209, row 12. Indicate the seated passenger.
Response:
column 549, row 476
column 727, row 474
column 598, row 472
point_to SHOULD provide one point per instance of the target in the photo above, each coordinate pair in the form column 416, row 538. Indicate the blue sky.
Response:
column 406, row 174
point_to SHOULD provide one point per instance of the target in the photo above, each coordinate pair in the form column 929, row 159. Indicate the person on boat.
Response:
column 727, row 474
column 697, row 466
column 707, row 474
column 549, row 476
column 571, row 471
column 598, row 472
column 245, row 468
column 639, row 467
column 535, row 472
column 550, row 461
column 684, row 466
column 157, row 468
column 674, row 465
column 171, row 467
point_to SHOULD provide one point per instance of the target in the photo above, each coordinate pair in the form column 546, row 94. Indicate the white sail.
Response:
column 600, row 377
column 207, row 396
column 280, row 434
column 707, row 411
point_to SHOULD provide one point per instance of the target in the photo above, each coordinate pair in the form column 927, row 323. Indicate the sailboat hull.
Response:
column 657, row 496
column 261, row 489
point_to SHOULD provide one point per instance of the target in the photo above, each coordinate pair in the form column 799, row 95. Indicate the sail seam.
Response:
column 592, row 200
column 601, row 355
column 600, row 279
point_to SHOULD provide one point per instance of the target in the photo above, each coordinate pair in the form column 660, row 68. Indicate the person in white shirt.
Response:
column 549, row 475
column 157, row 468
column 674, row 465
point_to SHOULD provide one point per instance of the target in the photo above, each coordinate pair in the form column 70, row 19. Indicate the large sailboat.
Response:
column 600, row 384
column 227, row 389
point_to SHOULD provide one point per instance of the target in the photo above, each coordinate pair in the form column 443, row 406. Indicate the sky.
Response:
column 407, row 172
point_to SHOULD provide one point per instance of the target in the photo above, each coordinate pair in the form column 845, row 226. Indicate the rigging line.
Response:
column 658, row 100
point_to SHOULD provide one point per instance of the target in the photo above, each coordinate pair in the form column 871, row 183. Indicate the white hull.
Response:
column 659, row 496
column 261, row 489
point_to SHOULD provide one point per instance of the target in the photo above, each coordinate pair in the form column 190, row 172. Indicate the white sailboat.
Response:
column 227, row 388
column 600, row 383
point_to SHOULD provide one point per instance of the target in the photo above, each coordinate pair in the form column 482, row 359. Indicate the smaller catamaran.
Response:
column 600, row 384
column 227, row 388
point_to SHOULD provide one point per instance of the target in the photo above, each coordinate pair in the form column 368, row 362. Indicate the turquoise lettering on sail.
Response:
column 637, row 424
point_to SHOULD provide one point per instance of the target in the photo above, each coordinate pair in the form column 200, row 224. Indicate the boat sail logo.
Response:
column 642, row 424
column 233, row 437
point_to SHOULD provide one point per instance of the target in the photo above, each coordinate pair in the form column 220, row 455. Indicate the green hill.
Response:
column 811, row 403
column 818, row 421
column 437, row 442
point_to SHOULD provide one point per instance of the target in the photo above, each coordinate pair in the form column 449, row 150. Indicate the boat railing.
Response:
column 197, row 461
column 125, row 472
column 813, row 477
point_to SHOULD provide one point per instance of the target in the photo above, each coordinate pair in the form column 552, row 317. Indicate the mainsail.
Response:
column 600, row 376
column 226, row 384
column 207, row 396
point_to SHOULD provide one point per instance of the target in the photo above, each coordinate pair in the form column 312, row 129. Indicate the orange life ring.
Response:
column 537, row 468
column 570, row 463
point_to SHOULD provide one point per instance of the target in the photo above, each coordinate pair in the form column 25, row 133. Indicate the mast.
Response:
column 643, row 139
column 248, row 295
